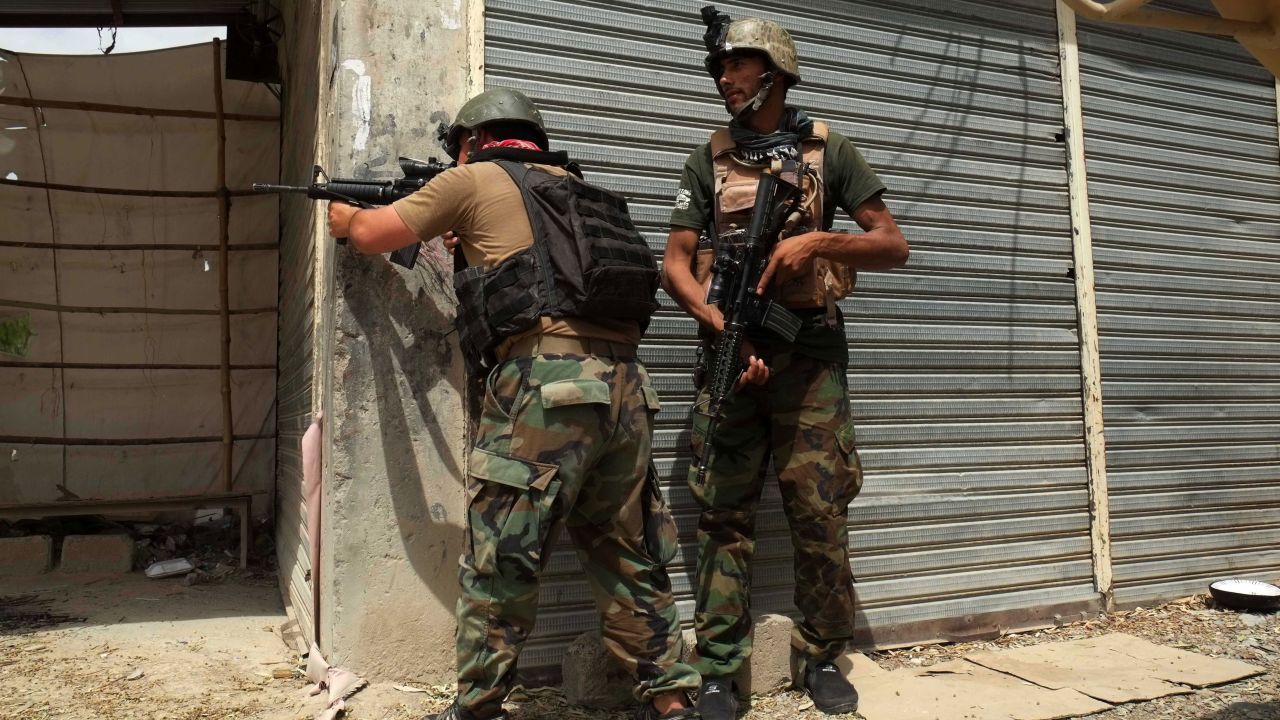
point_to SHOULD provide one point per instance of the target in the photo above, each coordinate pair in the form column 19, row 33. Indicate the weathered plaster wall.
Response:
column 393, row 388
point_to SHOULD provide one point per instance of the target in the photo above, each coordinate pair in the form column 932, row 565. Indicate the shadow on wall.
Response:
column 407, row 326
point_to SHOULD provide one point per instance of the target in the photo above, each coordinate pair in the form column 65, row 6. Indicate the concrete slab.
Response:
column 1117, row 668
column 97, row 554
column 28, row 555
column 960, row 690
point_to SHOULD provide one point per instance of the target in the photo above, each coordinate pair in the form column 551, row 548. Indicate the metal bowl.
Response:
column 1246, row 594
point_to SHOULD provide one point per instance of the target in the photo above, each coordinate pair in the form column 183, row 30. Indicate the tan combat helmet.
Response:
column 725, row 36
column 496, row 105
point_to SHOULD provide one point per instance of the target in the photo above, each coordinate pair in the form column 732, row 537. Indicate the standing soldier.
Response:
column 793, row 401
column 554, row 287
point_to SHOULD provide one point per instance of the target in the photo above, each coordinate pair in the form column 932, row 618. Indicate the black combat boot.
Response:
column 717, row 700
column 830, row 691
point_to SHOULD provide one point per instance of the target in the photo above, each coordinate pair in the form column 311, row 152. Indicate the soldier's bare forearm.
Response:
column 681, row 285
column 882, row 248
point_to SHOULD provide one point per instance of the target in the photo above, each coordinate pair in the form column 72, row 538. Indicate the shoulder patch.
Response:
column 683, row 198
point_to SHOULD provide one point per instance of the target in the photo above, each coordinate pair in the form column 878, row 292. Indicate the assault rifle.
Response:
column 740, row 261
column 368, row 193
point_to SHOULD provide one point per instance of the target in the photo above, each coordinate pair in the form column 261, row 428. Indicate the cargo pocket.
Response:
column 651, row 398
column 845, row 440
column 575, row 391
column 505, row 388
column 660, row 537
column 511, row 511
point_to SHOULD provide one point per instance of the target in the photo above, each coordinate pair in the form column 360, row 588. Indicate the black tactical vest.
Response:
column 587, row 260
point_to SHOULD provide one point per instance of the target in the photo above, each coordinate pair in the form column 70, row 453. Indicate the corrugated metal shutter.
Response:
column 296, row 387
column 1180, row 136
column 294, row 402
column 965, row 371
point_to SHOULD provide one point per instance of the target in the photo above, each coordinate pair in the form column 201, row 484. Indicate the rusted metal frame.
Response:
column 1131, row 12
column 131, row 246
column 120, row 442
column 122, row 191
column 129, row 310
column 224, row 283
column 1086, row 306
column 131, row 110
column 242, row 503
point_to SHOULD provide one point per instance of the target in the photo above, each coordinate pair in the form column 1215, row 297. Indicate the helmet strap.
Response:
column 760, row 98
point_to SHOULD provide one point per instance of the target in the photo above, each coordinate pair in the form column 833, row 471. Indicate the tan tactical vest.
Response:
column 735, row 195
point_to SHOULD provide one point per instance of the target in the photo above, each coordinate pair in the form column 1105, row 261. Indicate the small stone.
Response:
column 1251, row 620
column 282, row 673
column 135, row 675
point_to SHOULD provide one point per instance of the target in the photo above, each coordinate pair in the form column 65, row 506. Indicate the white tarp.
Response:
column 119, row 294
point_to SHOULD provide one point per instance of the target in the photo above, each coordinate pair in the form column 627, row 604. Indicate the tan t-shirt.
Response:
column 482, row 205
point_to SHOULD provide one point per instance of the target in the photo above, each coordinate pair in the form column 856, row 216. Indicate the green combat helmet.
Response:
column 496, row 105
column 726, row 36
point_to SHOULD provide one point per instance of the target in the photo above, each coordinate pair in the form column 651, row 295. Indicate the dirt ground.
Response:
column 127, row 647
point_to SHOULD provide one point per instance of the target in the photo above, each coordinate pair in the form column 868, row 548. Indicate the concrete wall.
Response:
column 389, row 372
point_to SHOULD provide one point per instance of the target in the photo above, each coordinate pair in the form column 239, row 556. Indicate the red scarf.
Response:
column 519, row 144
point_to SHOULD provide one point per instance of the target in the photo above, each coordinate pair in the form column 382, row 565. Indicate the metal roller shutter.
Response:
column 965, row 370
column 1181, row 142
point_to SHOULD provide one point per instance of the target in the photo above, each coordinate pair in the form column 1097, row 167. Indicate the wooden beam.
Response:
column 1086, row 305
column 224, row 260
column 119, row 442
column 129, row 310
column 131, row 109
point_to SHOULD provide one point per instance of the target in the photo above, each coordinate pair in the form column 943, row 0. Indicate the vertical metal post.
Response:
column 224, row 303
column 1086, row 304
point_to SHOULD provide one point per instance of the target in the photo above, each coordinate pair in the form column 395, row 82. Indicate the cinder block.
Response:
column 97, row 554
column 591, row 677
column 27, row 555
column 769, row 667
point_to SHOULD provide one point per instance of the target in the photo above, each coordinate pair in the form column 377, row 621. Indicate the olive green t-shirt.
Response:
column 848, row 182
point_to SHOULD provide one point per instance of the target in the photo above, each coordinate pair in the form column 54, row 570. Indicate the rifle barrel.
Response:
column 266, row 187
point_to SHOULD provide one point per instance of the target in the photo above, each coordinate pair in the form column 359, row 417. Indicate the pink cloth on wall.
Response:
column 312, row 457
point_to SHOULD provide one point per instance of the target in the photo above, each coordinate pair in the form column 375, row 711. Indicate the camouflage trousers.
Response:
column 801, row 418
column 565, row 440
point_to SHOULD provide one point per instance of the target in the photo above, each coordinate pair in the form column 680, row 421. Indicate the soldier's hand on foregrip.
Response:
column 340, row 214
